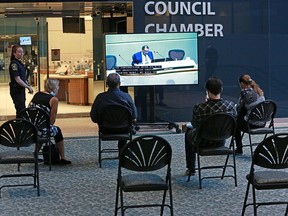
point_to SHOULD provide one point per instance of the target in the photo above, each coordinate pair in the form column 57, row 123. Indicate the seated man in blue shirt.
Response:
column 142, row 57
column 114, row 96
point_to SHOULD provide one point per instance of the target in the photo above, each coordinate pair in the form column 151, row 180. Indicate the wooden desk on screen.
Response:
column 73, row 88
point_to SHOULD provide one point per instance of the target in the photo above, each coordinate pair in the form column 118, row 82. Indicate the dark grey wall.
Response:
column 254, row 42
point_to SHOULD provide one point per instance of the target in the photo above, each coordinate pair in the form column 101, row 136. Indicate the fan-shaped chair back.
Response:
column 115, row 117
column 18, row 133
column 268, row 172
column 146, row 153
column 140, row 169
column 39, row 117
column 216, row 128
column 272, row 152
column 115, row 123
column 262, row 113
column 219, row 126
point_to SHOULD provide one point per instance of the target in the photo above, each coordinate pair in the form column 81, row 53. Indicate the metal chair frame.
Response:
column 218, row 127
column 139, row 161
column 19, row 134
column 272, row 155
column 114, row 118
column 263, row 112
column 41, row 119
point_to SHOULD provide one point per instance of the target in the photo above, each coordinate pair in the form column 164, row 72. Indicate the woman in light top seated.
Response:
column 48, row 101
column 251, row 95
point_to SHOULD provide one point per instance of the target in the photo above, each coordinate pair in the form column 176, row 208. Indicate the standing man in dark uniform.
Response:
column 18, row 81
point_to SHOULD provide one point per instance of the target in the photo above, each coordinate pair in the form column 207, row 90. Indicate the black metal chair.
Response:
column 19, row 134
column 176, row 54
column 216, row 128
column 272, row 155
column 263, row 115
column 111, row 62
column 41, row 119
column 115, row 124
column 144, row 165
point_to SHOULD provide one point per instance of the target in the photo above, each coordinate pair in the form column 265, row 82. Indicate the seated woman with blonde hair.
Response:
column 48, row 101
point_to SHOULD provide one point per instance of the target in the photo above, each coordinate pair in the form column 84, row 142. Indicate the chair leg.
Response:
column 250, row 141
column 100, row 151
column 199, row 171
column 234, row 168
column 50, row 157
column 116, row 202
column 245, row 199
column 163, row 203
column 37, row 178
column 122, row 202
column 286, row 213
column 171, row 199
column 254, row 201
column 225, row 165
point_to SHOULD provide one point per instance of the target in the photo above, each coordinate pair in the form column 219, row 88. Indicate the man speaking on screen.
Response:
column 142, row 57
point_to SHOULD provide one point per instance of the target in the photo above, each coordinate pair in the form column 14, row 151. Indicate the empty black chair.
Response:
column 272, row 155
column 41, row 119
column 19, row 135
column 263, row 115
column 176, row 54
column 144, row 165
column 111, row 62
column 115, row 124
column 218, row 127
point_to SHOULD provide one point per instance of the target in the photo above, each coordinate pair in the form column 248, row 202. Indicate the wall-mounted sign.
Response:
column 55, row 54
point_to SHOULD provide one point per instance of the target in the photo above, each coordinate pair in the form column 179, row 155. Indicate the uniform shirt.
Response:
column 17, row 68
column 114, row 96
column 203, row 110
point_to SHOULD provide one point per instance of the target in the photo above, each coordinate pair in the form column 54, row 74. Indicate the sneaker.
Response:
column 64, row 162
column 190, row 173
column 40, row 160
column 239, row 151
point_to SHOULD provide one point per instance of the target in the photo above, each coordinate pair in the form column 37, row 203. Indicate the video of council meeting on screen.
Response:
column 153, row 58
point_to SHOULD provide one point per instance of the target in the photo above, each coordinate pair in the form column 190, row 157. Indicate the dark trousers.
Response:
column 18, row 97
column 241, row 126
column 121, row 143
column 190, row 147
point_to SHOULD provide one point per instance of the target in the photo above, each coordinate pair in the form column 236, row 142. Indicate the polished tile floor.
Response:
column 72, row 119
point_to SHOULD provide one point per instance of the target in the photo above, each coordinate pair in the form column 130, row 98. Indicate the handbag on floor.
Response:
column 55, row 157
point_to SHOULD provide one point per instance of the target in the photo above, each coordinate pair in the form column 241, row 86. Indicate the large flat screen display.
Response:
column 153, row 58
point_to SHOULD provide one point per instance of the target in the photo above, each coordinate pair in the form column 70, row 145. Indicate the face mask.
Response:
column 53, row 93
